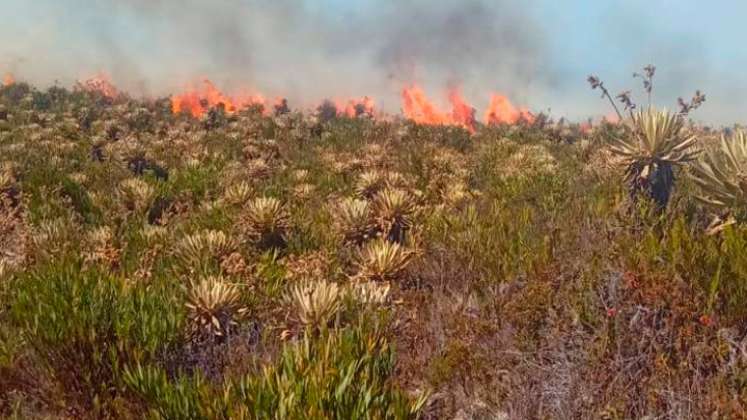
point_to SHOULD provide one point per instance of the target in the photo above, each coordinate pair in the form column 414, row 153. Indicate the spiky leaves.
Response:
column 316, row 302
column 382, row 260
column 658, row 142
column 238, row 193
column 369, row 183
column 370, row 292
column 266, row 222
column 196, row 252
column 394, row 210
column 214, row 306
column 353, row 220
column 258, row 168
column 722, row 176
column 136, row 194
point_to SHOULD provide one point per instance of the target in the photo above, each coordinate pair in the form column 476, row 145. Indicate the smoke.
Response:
column 537, row 52
column 306, row 50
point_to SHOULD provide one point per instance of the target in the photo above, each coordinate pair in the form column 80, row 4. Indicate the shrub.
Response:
column 394, row 210
column 382, row 260
column 84, row 326
column 316, row 302
column 658, row 142
column 181, row 398
column 80, row 201
column 722, row 177
column 214, row 306
column 353, row 220
column 266, row 222
column 342, row 375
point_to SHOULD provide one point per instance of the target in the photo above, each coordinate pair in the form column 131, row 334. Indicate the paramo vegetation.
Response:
column 287, row 265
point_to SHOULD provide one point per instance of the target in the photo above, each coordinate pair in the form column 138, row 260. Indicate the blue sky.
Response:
column 694, row 44
column 537, row 51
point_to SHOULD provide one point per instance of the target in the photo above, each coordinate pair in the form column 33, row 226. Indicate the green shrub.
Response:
column 342, row 375
column 184, row 398
column 80, row 201
column 84, row 326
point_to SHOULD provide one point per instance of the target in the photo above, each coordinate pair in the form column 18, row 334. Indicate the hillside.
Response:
column 258, row 264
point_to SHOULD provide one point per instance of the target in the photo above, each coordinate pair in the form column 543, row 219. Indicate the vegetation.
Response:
column 248, row 265
column 722, row 175
column 659, row 142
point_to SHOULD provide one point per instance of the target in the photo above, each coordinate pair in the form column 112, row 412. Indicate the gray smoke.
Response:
column 538, row 52
column 299, row 49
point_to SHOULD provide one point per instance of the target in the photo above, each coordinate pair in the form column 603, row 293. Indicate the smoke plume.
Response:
column 306, row 50
column 537, row 52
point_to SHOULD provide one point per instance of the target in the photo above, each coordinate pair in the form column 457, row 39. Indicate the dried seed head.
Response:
column 594, row 81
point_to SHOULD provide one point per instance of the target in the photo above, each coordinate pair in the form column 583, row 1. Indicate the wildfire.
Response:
column 281, row 106
column 462, row 113
column 102, row 84
column 355, row 107
column 417, row 107
column 8, row 79
column 197, row 101
column 502, row 111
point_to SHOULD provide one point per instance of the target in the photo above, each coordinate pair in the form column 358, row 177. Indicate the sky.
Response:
column 538, row 52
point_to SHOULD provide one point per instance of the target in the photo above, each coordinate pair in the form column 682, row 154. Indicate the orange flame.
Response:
column 355, row 107
column 280, row 106
column 462, row 113
column 102, row 84
column 196, row 101
column 417, row 107
column 502, row 111
column 362, row 106
column 8, row 79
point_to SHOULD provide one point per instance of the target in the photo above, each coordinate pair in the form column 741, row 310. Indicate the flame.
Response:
column 197, row 101
column 8, row 79
column 462, row 113
column 102, row 84
column 417, row 107
column 502, row 111
column 362, row 106
column 280, row 106
column 355, row 107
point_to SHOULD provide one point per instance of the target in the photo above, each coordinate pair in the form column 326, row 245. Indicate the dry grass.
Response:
column 209, row 260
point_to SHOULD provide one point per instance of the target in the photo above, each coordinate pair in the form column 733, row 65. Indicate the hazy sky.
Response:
column 539, row 52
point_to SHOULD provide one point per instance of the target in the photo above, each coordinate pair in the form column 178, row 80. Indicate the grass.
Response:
column 533, row 287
